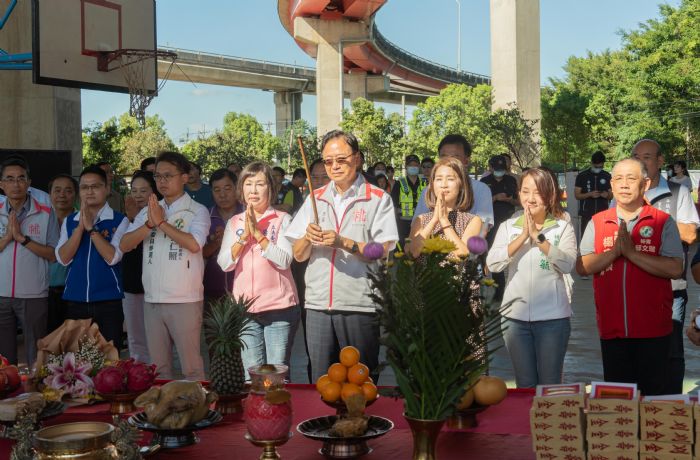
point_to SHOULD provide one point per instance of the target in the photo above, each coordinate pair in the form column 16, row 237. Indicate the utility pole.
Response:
column 459, row 35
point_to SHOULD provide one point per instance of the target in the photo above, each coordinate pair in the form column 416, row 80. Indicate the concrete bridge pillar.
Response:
column 287, row 110
column 515, row 55
column 35, row 116
column 360, row 84
column 330, row 37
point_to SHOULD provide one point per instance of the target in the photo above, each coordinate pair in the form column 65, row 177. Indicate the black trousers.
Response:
column 640, row 361
column 676, row 358
column 57, row 308
column 108, row 315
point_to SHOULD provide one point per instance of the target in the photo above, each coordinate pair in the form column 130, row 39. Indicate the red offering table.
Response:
column 503, row 432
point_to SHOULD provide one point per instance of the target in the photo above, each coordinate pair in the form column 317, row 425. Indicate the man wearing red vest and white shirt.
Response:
column 634, row 250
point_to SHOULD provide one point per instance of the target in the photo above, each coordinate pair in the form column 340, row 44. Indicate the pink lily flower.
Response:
column 71, row 378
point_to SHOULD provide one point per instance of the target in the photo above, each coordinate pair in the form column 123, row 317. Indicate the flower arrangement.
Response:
column 436, row 328
column 69, row 359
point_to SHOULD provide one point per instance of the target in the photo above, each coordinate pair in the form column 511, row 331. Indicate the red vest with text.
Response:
column 631, row 303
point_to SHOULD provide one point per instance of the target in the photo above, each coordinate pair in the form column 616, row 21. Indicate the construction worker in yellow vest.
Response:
column 405, row 194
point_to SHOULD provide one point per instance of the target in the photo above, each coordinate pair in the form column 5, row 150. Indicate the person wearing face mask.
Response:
column 405, row 194
column 592, row 189
column 504, row 194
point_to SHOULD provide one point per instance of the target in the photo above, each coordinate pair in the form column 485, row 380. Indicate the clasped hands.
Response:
column 155, row 212
column 316, row 235
column 13, row 230
column 624, row 246
column 250, row 227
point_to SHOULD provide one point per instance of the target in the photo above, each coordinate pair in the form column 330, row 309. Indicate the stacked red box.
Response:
column 557, row 424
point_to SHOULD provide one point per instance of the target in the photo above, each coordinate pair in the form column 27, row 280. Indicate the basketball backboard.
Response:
column 69, row 35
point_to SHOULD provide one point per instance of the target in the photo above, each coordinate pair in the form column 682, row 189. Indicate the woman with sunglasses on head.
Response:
column 538, row 249
column 252, row 247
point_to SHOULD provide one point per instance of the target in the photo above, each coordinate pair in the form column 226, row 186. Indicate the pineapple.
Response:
column 224, row 326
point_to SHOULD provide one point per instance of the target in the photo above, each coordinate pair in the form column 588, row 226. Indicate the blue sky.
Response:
column 428, row 28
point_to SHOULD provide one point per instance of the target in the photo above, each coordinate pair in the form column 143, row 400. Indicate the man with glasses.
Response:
column 89, row 246
column 28, row 234
column 174, row 231
column 351, row 213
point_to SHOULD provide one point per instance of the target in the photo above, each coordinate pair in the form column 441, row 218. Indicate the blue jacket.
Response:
column 90, row 278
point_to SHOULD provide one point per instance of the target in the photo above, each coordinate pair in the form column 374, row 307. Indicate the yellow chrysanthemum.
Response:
column 488, row 282
column 398, row 254
column 435, row 244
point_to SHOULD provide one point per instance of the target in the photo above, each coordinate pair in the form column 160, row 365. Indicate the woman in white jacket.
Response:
column 539, row 250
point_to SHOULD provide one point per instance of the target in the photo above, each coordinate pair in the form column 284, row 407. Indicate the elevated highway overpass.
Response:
column 353, row 57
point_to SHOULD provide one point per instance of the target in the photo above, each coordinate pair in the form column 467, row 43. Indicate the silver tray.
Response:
column 172, row 438
column 319, row 429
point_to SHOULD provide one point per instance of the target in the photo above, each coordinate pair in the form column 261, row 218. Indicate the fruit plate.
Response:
column 319, row 429
column 171, row 438
column 341, row 408
column 120, row 403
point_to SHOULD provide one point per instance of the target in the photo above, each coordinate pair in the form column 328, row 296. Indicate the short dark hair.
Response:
column 349, row 139
column 597, row 157
column 103, row 163
column 176, row 159
column 148, row 177
column 222, row 174
column 280, row 170
column 72, row 180
column 390, row 168
column 451, row 139
column 95, row 169
column 15, row 161
column 299, row 172
column 379, row 163
column 147, row 162
column 314, row 163
column 428, row 160
column 195, row 166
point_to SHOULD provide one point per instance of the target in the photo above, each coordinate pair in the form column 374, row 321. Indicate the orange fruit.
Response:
column 370, row 391
column 349, row 356
column 358, row 374
column 337, row 372
column 331, row 392
column 322, row 382
column 350, row 389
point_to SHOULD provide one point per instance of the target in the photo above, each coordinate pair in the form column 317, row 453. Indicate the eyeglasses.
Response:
column 21, row 180
column 164, row 177
column 342, row 161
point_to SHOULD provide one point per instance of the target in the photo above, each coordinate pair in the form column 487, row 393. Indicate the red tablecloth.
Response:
column 503, row 432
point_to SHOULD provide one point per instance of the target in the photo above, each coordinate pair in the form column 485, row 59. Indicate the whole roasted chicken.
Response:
column 176, row 404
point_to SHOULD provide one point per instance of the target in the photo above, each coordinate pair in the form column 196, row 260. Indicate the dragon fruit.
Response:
column 125, row 365
column 140, row 377
column 110, row 379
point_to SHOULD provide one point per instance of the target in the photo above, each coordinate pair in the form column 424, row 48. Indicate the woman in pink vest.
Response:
column 260, row 258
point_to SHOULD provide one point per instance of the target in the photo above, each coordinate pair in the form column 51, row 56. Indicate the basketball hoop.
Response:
column 132, row 63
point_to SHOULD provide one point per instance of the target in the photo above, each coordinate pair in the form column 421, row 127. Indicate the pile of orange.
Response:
column 346, row 378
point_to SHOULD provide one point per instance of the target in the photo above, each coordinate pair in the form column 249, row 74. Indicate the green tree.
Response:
column 241, row 140
column 566, row 138
column 458, row 109
column 380, row 136
column 515, row 134
column 309, row 136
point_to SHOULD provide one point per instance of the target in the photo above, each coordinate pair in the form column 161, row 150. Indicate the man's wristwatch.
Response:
column 541, row 239
column 355, row 248
column 26, row 241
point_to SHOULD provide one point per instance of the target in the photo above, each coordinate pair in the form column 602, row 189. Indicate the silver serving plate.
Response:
column 169, row 438
column 319, row 429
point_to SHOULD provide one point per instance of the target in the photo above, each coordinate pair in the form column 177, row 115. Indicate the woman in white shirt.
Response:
column 538, row 248
column 680, row 175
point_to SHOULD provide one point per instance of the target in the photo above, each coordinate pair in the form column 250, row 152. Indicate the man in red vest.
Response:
column 634, row 250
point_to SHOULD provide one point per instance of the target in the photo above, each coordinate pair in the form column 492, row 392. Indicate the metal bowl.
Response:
column 171, row 438
column 319, row 429
column 466, row 418
column 74, row 438
column 340, row 406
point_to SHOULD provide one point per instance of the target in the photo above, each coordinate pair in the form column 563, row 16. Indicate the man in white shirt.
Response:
column 175, row 230
column 455, row 145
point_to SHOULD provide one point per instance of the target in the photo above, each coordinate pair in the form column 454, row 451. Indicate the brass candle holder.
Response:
column 269, row 447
